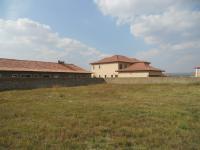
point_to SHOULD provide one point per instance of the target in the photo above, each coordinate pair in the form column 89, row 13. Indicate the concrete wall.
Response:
column 133, row 74
column 30, row 83
column 154, row 80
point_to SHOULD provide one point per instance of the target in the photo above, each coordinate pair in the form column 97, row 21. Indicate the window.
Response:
column 111, row 76
column 36, row 76
column 116, row 76
column 26, row 76
column 78, row 76
column 99, row 67
column 70, row 76
column 120, row 66
column 125, row 66
column 93, row 67
column 105, row 76
column 14, row 76
column 99, row 76
column 46, row 76
column 56, row 76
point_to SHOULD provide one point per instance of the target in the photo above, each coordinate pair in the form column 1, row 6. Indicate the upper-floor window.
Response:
column 125, row 65
column 120, row 66
column 99, row 67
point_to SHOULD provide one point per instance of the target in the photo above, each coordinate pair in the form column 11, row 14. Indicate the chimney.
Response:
column 61, row 62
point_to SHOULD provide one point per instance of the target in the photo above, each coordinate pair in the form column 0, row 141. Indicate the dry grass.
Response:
column 101, row 117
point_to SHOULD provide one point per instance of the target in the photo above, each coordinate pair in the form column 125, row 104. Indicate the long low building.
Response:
column 122, row 66
column 11, row 68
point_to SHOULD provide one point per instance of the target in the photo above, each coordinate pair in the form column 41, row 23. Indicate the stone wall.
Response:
column 154, row 80
column 31, row 83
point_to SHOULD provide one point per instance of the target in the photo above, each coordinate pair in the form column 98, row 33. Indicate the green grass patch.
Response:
column 105, row 116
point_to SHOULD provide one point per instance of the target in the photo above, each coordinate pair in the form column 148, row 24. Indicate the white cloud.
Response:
column 27, row 39
column 171, row 26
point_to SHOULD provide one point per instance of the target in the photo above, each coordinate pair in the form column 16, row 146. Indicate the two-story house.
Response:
column 122, row 66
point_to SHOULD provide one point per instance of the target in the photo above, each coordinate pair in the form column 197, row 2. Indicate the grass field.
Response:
column 102, row 116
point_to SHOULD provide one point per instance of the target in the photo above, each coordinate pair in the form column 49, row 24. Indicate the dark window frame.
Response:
column 15, row 75
column 120, row 66
column 46, row 76
column 35, row 75
column 26, row 76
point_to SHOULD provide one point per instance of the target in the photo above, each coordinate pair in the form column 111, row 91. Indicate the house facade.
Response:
column 197, row 71
column 11, row 68
column 122, row 66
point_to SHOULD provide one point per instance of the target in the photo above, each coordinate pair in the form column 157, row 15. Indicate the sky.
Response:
column 166, row 33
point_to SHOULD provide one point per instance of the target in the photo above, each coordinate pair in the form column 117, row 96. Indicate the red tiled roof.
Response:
column 38, row 66
column 116, row 58
column 140, row 66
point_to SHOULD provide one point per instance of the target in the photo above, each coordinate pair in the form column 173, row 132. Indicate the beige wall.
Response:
column 197, row 73
column 133, row 74
column 100, row 70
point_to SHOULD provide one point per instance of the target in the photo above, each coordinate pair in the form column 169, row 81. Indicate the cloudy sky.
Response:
column 165, row 32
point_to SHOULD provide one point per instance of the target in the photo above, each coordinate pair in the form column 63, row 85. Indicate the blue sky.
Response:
column 78, row 19
column 147, row 29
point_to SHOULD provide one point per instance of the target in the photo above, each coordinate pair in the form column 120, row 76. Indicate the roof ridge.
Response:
column 28, row 60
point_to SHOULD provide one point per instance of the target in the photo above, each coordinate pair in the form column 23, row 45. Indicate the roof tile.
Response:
column 38, row 66
column 116, row 58
column 140, row 66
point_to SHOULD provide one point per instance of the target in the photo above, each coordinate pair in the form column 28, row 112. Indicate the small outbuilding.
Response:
column 197, row 71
